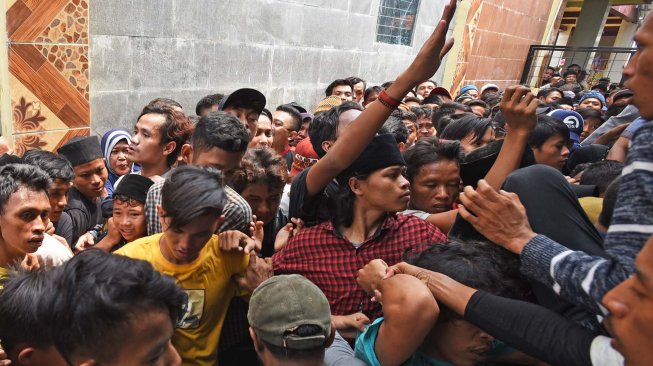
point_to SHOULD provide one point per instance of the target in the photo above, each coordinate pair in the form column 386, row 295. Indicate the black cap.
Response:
column 133, row 186
column 478, row 163
column 81, row 150
column 246, row 97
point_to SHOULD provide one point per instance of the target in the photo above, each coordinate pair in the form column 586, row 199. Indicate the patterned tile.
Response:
column 71, row 61
column 69, row 26
column 50, row 140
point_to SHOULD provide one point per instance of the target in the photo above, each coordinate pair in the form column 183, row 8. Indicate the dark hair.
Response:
column 387, row 84
column 190, row 192
column 353, row 80
column 20, row 318
column 430, row 150
column 580, row 168
column 395, row 126
column 97, row 296
column 15, row 176
column 56, row 166
column 325, row 126
column 221, row 130
column 469, row 123
column 601, row 174
column 481, row 265
column 342, row 206
column 447, row 109
column 266, row 113
column 614, row 110
column 422, row 112
column 491, row 99
column 177, row 127
column 432, row 99
column 294, row 113
column 479, row 103
column 570, row 72
column 405, row 115
column 260, row 165
column 374, row 89
column 543, row 93
column 338, row 82
column 546, row 127
column 446, row 121
column 609, row 201
column 164, row 103
column 208, row 102
column 591, row 113
column 6, row 159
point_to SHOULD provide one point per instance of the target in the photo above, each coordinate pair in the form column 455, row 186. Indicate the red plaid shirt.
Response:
column 332, row 262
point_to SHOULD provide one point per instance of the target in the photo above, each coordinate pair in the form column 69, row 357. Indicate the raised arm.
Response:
column 349, row 146
column 409, row 309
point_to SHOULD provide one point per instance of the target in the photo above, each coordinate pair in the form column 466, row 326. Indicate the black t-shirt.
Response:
column 289, row 156
column 64, row 228
column 312, row 210
column 84, row 214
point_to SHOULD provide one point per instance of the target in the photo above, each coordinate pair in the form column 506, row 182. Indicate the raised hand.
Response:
column 518, row 107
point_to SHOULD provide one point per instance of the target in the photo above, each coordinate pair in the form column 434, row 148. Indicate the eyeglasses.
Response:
column 125, row 199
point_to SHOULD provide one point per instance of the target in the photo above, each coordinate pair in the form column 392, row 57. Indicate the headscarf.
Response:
column 109, row 141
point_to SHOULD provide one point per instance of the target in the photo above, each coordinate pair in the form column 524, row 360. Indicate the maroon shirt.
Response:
column 331, row 261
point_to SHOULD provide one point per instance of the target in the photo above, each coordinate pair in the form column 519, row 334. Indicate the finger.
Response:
column 448, row 45
column 528, row 98
column 389, row 272
column 467, row 216
column 507, row 95
column 519, row 93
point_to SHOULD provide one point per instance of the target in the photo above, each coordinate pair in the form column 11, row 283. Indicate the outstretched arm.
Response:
column 350, row 145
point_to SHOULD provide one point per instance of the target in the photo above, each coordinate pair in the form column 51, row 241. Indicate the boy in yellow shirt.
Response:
column 190, row 212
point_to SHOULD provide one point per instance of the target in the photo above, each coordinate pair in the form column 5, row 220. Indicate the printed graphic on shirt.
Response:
column 193, row 310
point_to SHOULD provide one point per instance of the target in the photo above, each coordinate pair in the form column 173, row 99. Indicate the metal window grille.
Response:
column 596, row 62
column 396, row 21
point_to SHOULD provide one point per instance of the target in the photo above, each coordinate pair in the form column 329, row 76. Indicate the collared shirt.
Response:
column 331, row 261
column 237, row 212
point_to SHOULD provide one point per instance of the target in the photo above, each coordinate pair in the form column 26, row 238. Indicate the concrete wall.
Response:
column 185, row 49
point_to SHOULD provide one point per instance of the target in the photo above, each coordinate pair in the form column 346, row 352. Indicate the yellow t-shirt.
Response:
column 592, row 207
column 3, row 276
column 207, row 282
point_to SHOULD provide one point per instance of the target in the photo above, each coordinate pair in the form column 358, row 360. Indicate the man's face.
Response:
column 129, row 218
column 460, row 343
column 591, row 103
column 226, row 161
column 553, row 97
column 283, row 128
column 435, row 187
column 263, row 201
column 23, row 222
column 554, row 152
column 90, row 178
column 424, row 89
column 183, row 245
column 425, row 128
column 570, row 79
column 303, row 132
column 248, row 116
column 473, row 93
column 359, row 91
column 639, row 70
column 146, row 147
column 58, row 197
column 547, row 74
column 344, row 92
column 148, row 341
column 412, row 132
column 264, row 133
column 631, row 311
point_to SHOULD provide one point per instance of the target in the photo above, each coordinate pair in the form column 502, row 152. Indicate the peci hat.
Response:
column 133, row 186
column 245, row 97
column 623, row 93
column 81, row 150
column 327, row 103
column 304, row 157
column 381, row 152
column 282, row 304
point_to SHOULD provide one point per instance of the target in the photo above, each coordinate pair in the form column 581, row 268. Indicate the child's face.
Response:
column 459, row 342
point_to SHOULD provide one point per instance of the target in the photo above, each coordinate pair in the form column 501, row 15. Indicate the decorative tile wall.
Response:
column 49, row 72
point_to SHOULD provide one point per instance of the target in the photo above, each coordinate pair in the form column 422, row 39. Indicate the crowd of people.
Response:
column 389, row 225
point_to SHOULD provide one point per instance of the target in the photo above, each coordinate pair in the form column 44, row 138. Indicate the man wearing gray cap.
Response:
column 290, row 321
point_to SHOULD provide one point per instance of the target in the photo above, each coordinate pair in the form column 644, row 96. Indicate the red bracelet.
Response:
column 387, row 100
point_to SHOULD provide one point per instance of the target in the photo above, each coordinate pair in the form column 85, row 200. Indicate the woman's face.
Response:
column 263, row 201
column 129, row 218
column 591, row 103
column 384, row 190
column 468, row 144
column 118, row 158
